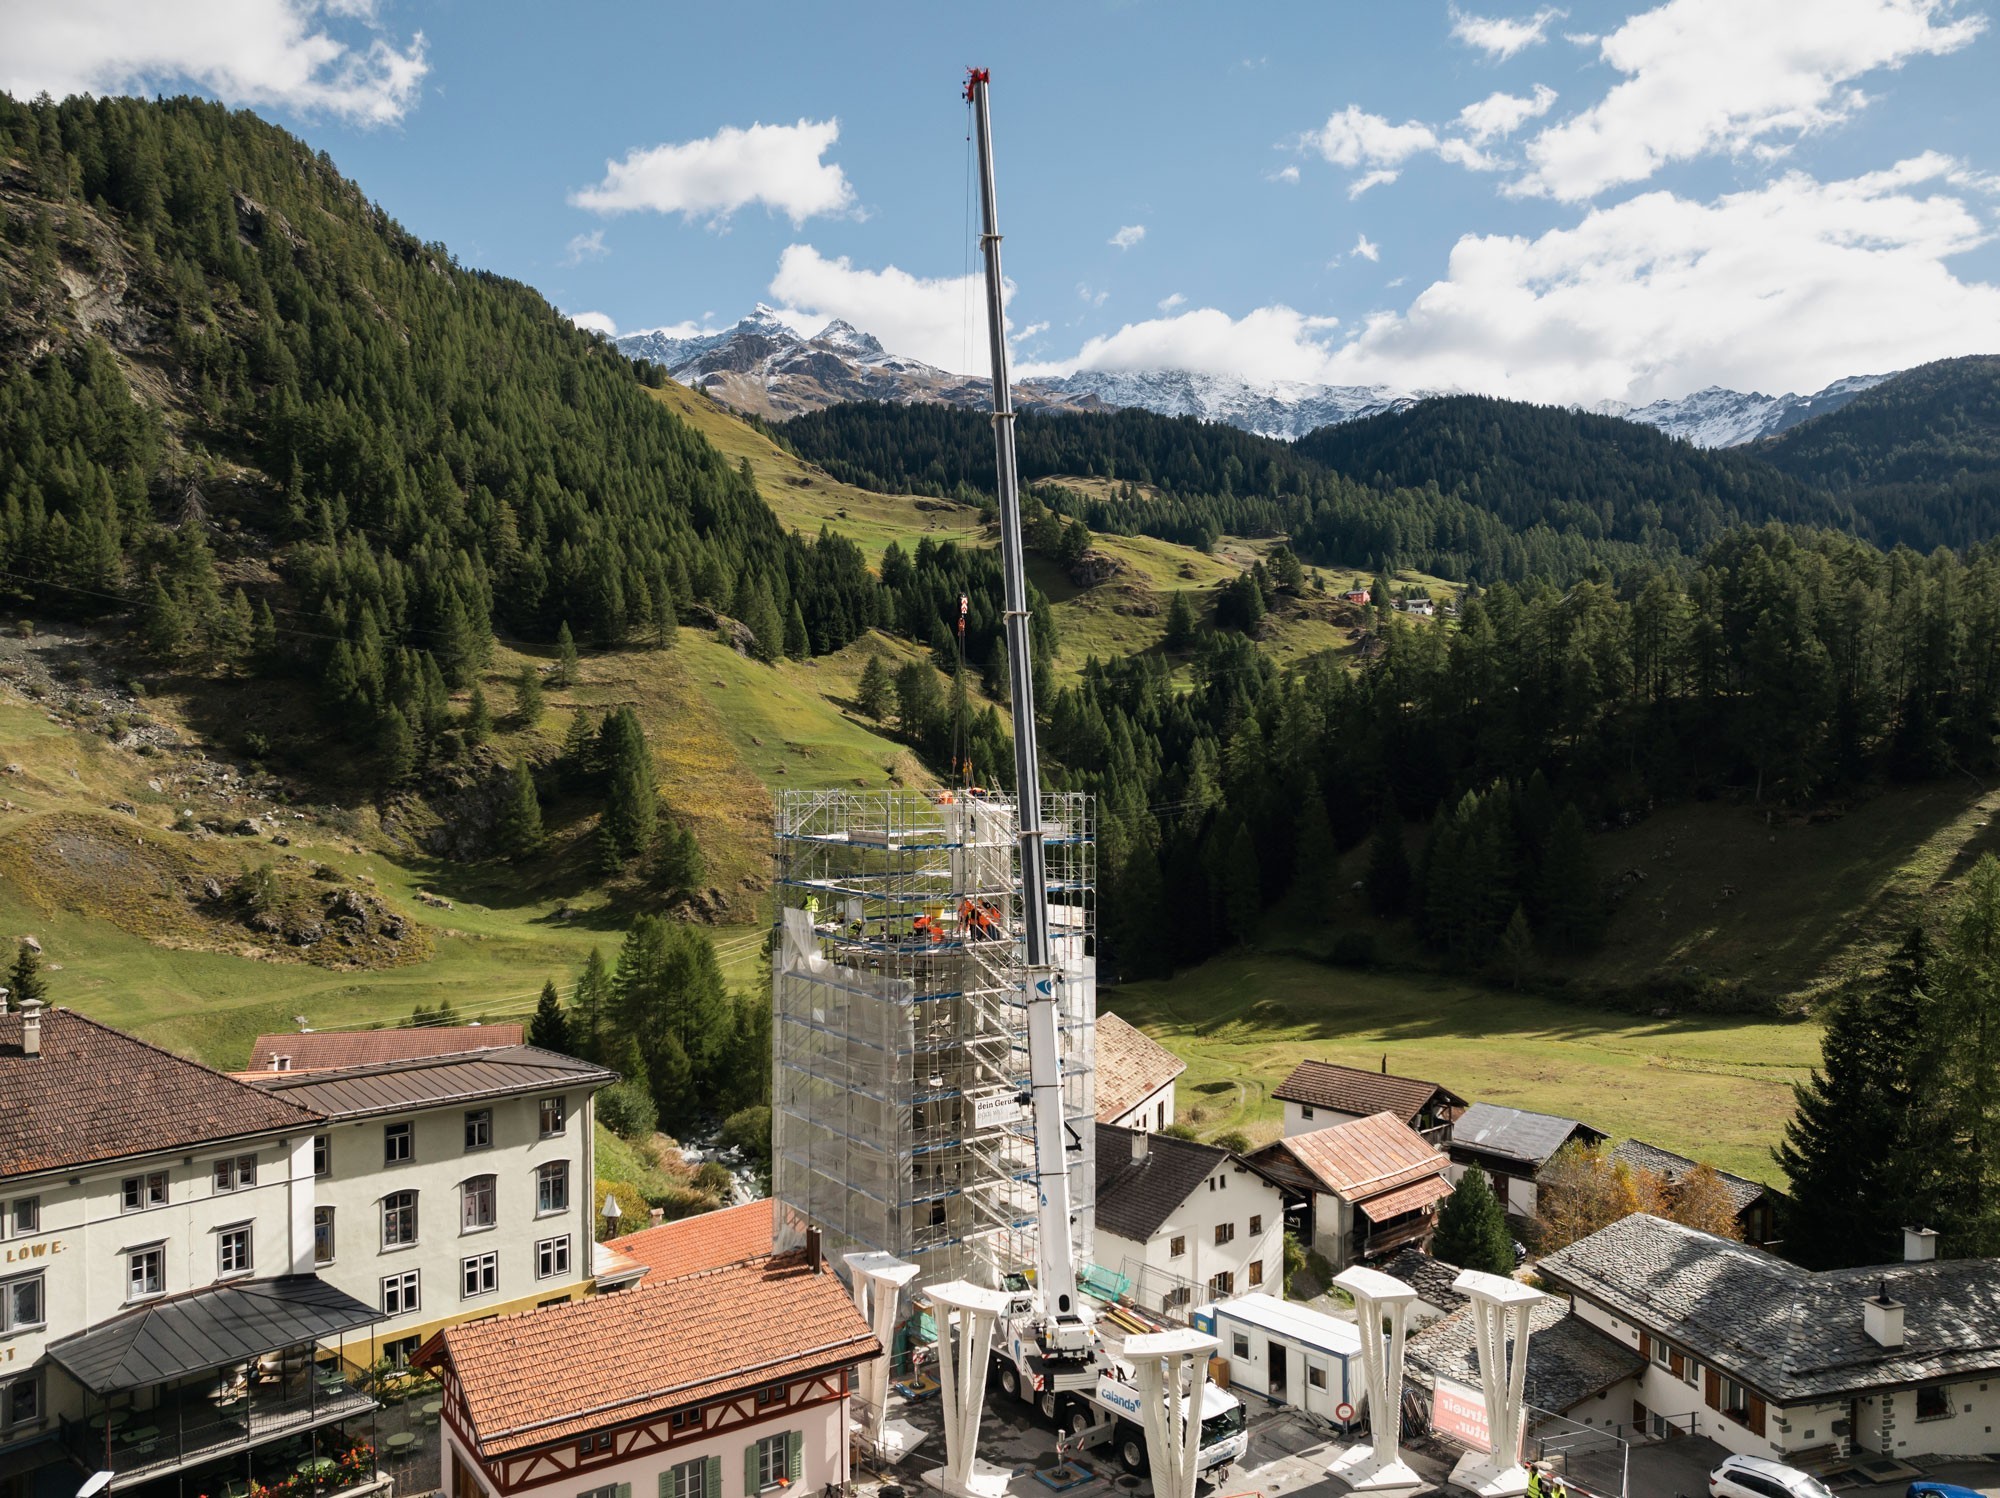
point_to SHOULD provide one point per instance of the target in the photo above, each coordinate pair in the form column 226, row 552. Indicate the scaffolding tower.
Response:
column 899, row 1026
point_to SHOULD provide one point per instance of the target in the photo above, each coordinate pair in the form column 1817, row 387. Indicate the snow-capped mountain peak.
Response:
column 763, row 364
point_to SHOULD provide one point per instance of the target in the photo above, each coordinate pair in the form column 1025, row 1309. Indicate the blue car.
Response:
column 1928, row 1489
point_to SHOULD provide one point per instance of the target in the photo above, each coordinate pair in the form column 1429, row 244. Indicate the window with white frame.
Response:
column 399, row 1352
column 774, row 1460
column 477, row 1197
column 609, row 1490
column 479, row 1129
column 322, row 1156
column 554, row 1119
column 687, row 1480
column 552, row 1187
column 235, row 1173
column 145, row 1273
column 1305, row 1110
column 26, row 1216
column 232, row 1249
column 399, row 1219
column 21, row 1304
column 1315, row 1375
column 598, row 1443
column 552, row 1257
column 1239, row 1344
column 479, row 1275
column 322, row 1235
column 399, row 1143
column 399, row 1293
column 137, row 1193
column 21, row 1404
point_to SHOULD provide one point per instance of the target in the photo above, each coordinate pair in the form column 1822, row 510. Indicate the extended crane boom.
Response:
column 1067, row 1334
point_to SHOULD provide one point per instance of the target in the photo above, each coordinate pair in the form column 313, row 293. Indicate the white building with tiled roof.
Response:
column 732, row 1382
column 1135, row 1076
column 1772, row 1360
column 1184, row 1221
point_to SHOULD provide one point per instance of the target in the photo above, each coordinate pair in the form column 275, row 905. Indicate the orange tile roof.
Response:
column 549, row 1375
column 1348, row 1089
column 1131, row 1066
column 317, row 1050
column 1362, row 1158
column 708, row 1240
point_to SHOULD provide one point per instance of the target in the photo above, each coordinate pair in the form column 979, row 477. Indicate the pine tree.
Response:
column 1472, row 1229
column 1180, row 622
column 528, row 697
column 549, row 1028
column 995, row 677
column 566, row 662
column 873, row 693
column 1243, row 899
column 26, row 982
column 165, row 623
column 1316, row 856
column 579, row 752
column 631, row 795
column 590, row 1004
column 797, row 645
column 520, row 823
column 1389, row 879
column 765, row 626
column 396, row 749
column 1514, row 958
column 478, row 720
column 1846, row 1145
column 682, row 867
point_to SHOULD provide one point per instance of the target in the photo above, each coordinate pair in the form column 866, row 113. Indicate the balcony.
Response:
column 211, row 1418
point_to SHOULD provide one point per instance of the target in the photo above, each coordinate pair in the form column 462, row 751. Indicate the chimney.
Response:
column 1385, row 1063
column 31, row 1027
column 814, row 1256
column 1919, row 1244
column 3, row 1001
column 1142, row 1144
column 1882, row 1318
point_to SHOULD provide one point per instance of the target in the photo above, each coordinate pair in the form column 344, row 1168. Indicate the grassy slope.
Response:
column 1715, row 1087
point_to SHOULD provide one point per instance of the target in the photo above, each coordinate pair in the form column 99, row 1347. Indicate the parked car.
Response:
column 1926, row 1489
column 1756, row 1477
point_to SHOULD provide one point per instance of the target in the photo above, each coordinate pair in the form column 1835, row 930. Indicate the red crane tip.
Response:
column 973, row 78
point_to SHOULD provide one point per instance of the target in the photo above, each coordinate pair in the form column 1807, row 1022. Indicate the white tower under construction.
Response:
column 899, row 1025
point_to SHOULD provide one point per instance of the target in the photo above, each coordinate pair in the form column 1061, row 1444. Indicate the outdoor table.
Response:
column 136, row 1433
column 112, row 1418
column 318, row 1466
column 433, row 1408
column 400, row 1442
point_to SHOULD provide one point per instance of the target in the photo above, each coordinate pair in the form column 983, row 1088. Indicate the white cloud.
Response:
column 1500, row 37
column 1366, row 248
column 1353, row 137
column 1464, row 153
column 1362, row 183
column 598, row 322
column 1172, row 300
column 261, row 53
column 1785, row 286
column 1271, row 343
column 1089, row 296
column 780, row 166
column 940, row 320
column 584, row 247
column 1285, row 174
column 1501, row 114
column 1128, row 236
column 1707, row 75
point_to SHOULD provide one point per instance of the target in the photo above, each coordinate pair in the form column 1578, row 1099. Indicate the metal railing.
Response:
column 171, row 1436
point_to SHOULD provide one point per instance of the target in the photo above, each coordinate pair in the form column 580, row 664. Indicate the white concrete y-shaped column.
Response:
column 970, row 1310
column 1378, row 1298
column 1168, row 1362
column 1501, row 1308
column 878, row 1281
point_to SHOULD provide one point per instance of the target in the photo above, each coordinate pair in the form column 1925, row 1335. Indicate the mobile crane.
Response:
column 1048, row 1347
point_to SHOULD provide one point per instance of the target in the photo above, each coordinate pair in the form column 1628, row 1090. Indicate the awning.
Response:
column 1410, row 1198
column 211, row 1328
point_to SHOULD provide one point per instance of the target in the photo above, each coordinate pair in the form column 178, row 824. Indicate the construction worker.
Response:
column 1535, row 1488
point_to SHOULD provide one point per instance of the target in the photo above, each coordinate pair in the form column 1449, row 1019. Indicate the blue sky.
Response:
column 1603, row 202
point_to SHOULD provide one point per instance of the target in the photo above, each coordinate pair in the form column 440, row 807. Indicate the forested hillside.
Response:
column 1918, row 456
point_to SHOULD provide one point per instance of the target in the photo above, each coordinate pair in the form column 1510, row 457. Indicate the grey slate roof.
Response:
column 1136, row 1197
column 1643, row 1156
column 1515, row 1134
column 433, row 1081
column 1569, row 1360
column 1790, row 1334
column 208, row 1328
column 1431, row 1278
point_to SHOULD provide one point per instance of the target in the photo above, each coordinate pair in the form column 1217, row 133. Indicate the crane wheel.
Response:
column 1010, row 1380
column 1132, row 1450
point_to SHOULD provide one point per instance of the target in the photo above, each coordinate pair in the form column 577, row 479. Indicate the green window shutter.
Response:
column 666, row 1482
column 795, row 1454
column 711, row 1478
column 750, row 1470
column 624, row 1490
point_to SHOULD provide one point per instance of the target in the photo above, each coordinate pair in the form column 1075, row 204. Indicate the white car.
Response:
column 1756, row 1477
